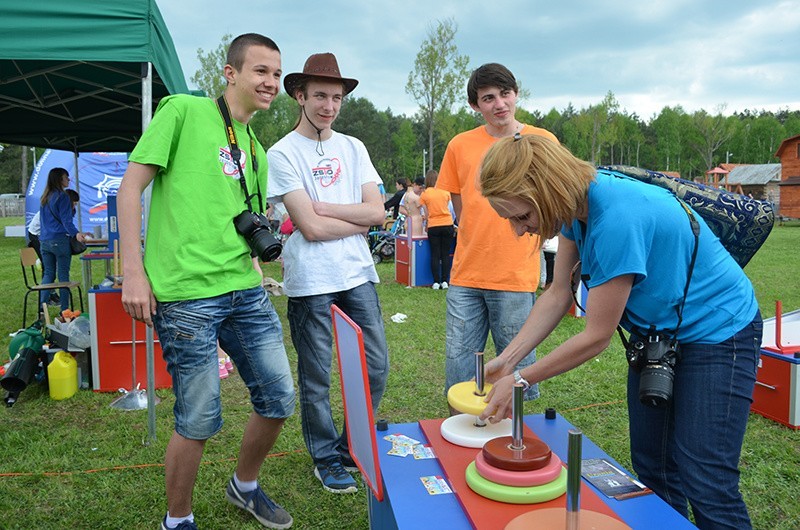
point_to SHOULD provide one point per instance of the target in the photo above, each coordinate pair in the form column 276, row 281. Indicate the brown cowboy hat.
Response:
column 319, row 65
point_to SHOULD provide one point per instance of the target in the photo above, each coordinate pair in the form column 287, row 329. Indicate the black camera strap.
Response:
column 236, row 153
column 695, row 231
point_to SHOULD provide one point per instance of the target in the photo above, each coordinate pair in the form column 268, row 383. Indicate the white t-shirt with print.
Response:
column 321, row 267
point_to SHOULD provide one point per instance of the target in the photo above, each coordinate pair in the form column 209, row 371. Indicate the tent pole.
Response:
column 78, row 187
column 147, row 113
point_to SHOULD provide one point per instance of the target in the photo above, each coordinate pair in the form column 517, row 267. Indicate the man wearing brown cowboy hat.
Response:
column 330, row 189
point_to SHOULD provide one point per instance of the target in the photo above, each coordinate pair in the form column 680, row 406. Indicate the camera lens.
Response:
column 264, row 244
column 655, row 385
column 253, row 227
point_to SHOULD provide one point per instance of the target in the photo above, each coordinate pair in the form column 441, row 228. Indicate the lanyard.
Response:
column 230, row 133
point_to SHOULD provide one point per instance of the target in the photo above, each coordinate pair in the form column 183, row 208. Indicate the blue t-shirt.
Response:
column 641, row 229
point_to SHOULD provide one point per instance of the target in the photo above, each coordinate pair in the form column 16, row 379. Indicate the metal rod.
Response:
column 133, row 355
column 151, row 387
column 147, row 116
column 574, row 479
column 516, row 418
column 479, row 374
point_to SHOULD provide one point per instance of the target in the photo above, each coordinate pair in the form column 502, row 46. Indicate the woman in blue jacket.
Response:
column 57, row 227
column 652, row 266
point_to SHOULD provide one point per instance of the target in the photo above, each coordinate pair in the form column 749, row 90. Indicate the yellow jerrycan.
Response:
column 62, row 376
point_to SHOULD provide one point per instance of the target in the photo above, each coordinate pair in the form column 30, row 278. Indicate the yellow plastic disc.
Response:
column 516, row 494
column 463, row 397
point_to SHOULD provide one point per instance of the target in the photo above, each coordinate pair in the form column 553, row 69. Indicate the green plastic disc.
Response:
column 515, row 494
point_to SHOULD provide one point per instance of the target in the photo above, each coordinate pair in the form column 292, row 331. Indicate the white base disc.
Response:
column 461, row 430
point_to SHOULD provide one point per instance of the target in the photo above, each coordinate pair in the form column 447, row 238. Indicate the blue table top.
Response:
column 414, row 508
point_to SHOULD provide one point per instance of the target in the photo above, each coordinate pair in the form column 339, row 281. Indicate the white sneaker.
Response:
column 444, row 285
column 435, row 286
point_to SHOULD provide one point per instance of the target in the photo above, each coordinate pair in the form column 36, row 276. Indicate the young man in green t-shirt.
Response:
column 198, row 283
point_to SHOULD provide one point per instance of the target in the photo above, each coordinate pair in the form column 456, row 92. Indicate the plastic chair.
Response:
column 27, row 258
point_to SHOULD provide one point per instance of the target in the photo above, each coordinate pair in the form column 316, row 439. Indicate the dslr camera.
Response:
column 654, row 357
column 254, row 227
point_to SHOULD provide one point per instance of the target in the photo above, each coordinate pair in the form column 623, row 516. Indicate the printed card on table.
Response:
column 435, row 485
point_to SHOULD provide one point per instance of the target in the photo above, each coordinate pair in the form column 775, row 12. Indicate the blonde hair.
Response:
column 541, row 172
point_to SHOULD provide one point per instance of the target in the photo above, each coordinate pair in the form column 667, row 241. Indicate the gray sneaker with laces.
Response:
column 334, row 477
column 265, row 510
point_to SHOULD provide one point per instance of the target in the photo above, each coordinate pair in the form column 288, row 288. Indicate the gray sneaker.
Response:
column 183, row 525
column 264, row 509
column 334, row 477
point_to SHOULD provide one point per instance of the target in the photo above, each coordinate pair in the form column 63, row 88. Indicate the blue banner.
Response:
column 99, row 175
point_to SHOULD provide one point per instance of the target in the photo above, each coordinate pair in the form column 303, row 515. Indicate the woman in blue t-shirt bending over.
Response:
column 635, row 244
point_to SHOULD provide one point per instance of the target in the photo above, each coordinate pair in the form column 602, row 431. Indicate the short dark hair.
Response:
column 403, row 182
column 239, row 46
column 490, row 75
column 419, row 181
column 301, row 85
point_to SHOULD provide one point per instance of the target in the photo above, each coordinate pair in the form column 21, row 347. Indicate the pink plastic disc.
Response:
column 524, row 479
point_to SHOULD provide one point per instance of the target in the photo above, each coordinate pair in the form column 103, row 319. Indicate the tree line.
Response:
column 689, row 143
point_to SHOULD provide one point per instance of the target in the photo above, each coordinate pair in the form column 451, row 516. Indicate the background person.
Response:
column 199, row 284
column 401, row 185
column 549, row 250
column 55, row 214
column 409, row 207
column 34, row 229
column 330, row 189
column 436, row 214
column 495, row 273
column 636, row 247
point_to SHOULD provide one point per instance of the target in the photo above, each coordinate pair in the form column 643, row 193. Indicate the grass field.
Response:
column 78, row 463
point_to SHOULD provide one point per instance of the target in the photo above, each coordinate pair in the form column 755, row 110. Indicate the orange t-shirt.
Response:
column 436, row 203
column 489, row 254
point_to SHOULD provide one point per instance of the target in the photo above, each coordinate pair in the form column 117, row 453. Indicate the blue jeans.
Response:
column 248, row 329
column 56, row 260
column 311, row 325
column 471, row 314
column 689, row 451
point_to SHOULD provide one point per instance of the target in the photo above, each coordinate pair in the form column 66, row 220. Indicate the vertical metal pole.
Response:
column 147, row 114
column 133, row 355
column 574, row 479
column 516, row 418
column 479, row 384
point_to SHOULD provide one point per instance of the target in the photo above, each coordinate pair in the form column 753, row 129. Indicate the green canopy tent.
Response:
column 84, row 75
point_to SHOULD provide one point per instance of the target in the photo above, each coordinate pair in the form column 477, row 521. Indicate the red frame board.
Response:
column 356, row 398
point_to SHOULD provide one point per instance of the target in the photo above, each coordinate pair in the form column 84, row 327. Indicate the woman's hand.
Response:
column 498, row 405
column 81, row 236
column 495, row 369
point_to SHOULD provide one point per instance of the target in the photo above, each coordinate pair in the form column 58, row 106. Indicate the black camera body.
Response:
column 654, row 357
column 254, row 227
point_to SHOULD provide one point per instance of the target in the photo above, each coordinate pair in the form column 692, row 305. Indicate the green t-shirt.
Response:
column 193, row 250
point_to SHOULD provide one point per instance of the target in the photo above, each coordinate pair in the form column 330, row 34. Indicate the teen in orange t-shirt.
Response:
column 495, row 273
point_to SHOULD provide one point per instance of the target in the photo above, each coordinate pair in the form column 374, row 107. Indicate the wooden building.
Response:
column 760, row 181
column 789, row 155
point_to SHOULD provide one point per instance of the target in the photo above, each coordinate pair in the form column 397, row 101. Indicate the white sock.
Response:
column 172, row 522
column 244, row 486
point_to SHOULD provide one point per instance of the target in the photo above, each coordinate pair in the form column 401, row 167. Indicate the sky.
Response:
column 716, row 55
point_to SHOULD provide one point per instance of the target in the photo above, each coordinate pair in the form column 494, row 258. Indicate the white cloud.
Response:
column 650, row 55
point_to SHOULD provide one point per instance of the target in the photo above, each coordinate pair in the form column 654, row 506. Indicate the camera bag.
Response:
column 741, row 223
